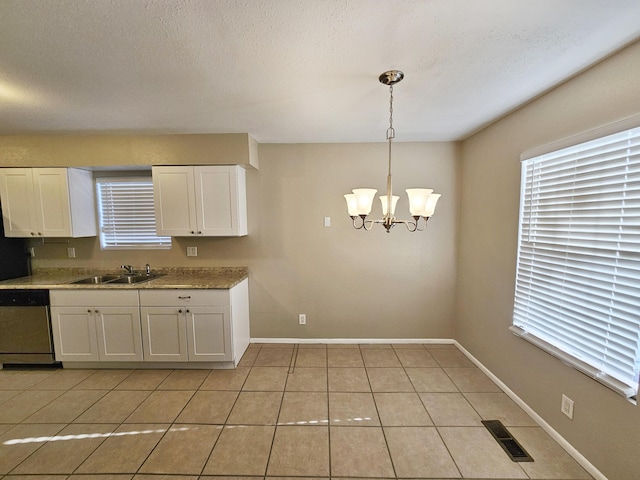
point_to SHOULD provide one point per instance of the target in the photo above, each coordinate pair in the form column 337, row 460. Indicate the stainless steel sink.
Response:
column 96, row 279
column 116, row 279
column 133, row 279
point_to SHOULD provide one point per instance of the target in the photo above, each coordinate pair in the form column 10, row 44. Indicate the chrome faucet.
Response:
column 148, row 269
column 128, row 268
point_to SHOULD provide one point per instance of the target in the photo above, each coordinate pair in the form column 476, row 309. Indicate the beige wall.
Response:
column 351, row 284
column 605, row 426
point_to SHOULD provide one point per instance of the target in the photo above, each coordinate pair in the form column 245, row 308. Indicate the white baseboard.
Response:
column 577, row 456
column 331, row 341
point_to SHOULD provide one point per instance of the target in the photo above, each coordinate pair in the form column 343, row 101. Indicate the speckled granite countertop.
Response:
column 61, row 278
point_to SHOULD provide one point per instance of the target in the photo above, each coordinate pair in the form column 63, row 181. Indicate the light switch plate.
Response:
column 71, row 252
column 327, row 221
column 192, row 251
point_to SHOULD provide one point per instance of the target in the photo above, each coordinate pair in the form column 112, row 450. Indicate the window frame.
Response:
column 626, row 388
column 158, row 242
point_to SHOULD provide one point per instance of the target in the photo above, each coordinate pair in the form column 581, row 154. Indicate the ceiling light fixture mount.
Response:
column 422, row 201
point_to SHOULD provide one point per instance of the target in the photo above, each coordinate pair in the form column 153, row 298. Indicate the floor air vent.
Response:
column 506, row 441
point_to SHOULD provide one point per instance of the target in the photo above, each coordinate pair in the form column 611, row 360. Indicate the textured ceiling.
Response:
column 292, row 70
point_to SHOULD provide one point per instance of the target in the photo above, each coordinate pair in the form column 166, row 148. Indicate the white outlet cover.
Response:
column 567, row 406
column 71, row 252
column 192, row 251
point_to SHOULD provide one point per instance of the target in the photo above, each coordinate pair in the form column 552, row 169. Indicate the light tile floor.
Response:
column 314, row 411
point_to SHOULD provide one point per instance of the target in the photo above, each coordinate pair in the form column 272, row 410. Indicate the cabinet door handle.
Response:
column 188, row 311
column 185, row 298
column 97, row 311
column 180, row 311
column 199, row 232
column 192, row 232
column 89, row 311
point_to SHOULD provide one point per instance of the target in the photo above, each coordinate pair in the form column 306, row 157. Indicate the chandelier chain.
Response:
column 391, row 132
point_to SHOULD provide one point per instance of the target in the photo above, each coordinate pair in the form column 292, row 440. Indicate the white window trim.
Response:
column 615, row 127
column 162, row 243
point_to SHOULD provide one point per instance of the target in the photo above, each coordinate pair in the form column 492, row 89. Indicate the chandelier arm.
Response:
column 417, row 219
column 370, row 223
column 354, row 219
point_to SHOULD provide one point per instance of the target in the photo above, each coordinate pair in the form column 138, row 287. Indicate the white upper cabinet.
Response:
column 200, row 200
column 47, row 202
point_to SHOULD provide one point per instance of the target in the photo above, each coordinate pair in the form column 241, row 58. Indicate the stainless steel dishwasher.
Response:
column 25, row 328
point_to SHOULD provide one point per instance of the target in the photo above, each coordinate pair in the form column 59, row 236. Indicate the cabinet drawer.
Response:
column 94, row 298
column 169, row 298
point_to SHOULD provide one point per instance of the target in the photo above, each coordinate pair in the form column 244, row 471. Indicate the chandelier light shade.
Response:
column 422, row 201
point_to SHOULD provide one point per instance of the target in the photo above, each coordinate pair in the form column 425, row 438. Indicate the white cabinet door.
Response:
column 203, row 200
column 221, row 200
column 18, row 202
column 47, row 202
column 175, row 201
column 208, row 334
column 118, row 331
column 74, row 334
column 53, row 211
column 164, row 334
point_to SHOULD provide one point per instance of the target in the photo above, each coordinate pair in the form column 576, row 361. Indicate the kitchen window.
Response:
column 578, row 271
column 126, row 214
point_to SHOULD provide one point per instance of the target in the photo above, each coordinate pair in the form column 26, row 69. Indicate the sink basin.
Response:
column 96, row 279
column 133, row 279
column 116, row 279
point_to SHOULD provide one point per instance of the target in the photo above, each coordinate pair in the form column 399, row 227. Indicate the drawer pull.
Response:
column 185, row 298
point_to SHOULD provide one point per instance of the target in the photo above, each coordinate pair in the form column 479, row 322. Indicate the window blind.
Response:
column 578, row 272
column 126, row 214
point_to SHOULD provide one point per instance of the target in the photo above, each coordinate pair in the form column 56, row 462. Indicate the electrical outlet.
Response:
column 302, row 319
column 567, row 406
column 192, row 251
column 327, row 221
column 71, row 252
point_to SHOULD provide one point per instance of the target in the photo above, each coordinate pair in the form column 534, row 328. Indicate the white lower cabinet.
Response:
column 151, row 325
column 209, row 334
column 74, row 334
column 186, row 325
column 165, row 334
column 96, row 325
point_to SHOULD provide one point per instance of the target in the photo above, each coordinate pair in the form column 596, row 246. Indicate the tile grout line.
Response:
column 384, row 434
column 294, row 357
column 326, row 350
column 204, row 466
column 69, row 476
column 429, row 415
column 66, row 424
column 172, row 423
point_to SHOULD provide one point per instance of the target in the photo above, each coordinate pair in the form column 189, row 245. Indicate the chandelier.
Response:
column 422, row 201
